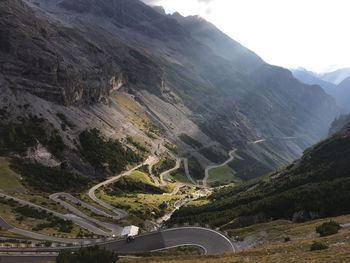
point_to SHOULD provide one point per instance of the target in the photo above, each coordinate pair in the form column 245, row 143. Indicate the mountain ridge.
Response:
column 184, row 85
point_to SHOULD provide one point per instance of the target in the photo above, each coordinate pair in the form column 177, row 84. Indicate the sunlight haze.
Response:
column 310, row 34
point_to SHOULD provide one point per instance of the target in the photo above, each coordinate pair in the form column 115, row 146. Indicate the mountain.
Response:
column 340, row 92
column 343, row 94
column 336, row 76
column 314, row 186
column 312, row 78
column 126, row 69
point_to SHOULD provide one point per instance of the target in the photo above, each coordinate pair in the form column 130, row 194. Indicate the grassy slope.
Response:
column 138, row 176
column 139, row 203
column 180, row 176
column 222, row 175
column 9, row 180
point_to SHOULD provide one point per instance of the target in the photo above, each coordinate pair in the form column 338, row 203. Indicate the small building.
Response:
column 130, row 231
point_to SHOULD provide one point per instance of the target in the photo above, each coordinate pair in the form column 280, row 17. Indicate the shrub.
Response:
column 328, row 228
column 316, row 245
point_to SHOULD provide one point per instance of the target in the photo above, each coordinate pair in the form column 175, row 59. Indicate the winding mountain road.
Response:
column 187, row 172
column 82, row 222
column 212, row 242
column 230, row 159
column 61, row 198
column 119, row 212
column 177, row 166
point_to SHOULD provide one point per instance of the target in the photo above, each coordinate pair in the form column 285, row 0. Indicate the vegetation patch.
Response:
column 171, row 147
column 17, row 137
column 65, row 122
column 196, row 170
column 163, row 165
column 87, row 255
column 135, row 143
column 101, row 153
column 328, row 228
column 180, row 175
column 221, row 175
column 248, row 168
column 190, row 141
column 48, row 179
column 212, row 155
column 136, row 182
column 9, row 180
column 44, row 219
column 143, row 206
column 318, row 245
column 141, row 58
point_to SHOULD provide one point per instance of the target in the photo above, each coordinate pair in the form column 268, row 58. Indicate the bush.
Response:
column 316, row 245
column 328, row 228
column 27, row 211
column 87, row 255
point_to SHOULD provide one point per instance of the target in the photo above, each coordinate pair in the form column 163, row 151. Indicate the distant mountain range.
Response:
column 336, row 76
column 336, row 84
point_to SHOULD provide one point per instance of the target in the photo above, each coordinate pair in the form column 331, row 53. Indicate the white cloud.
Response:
column 291, row 33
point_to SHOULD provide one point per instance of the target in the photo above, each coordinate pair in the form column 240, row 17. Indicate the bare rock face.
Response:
column 58, row 63
column 41, row 155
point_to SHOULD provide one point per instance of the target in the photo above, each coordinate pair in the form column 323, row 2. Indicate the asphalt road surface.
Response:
column 211, row 241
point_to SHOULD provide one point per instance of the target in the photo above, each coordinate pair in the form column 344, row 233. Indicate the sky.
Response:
column 312, row 34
